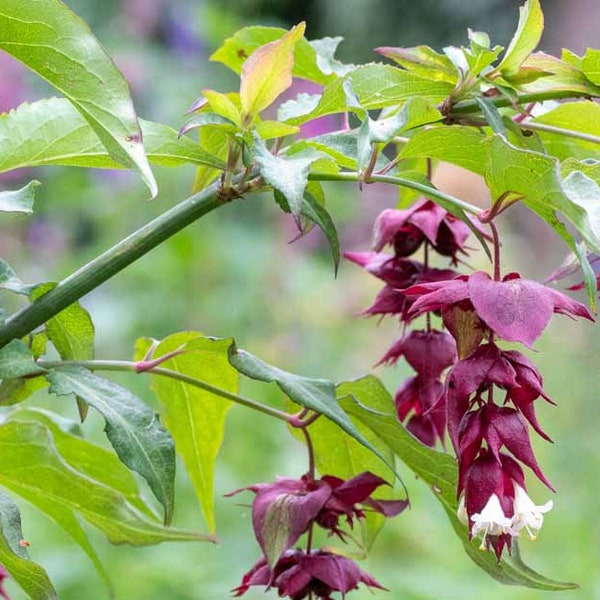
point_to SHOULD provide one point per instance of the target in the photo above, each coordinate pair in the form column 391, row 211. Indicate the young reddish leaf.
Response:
column 526, row 38
column 267, row 73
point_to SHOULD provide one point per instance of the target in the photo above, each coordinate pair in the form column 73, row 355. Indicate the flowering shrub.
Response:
column 461, row 423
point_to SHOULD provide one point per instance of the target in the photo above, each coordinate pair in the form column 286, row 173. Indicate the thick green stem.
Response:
column 131, row 366
column 110, row 263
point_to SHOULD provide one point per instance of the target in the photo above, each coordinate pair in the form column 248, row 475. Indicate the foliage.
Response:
column 472, row 107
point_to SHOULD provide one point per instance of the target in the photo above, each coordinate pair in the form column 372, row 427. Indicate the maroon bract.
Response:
column 515, row 309
column 4, row 574
column 406, row 229
column 297, row 574
column 282, row 511
column 423, row 400
column 429, row 353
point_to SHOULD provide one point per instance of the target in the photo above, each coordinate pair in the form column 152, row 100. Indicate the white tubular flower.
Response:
column 528, row 515
column 491, row 520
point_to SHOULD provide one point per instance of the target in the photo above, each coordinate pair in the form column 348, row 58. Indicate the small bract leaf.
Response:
column 132, row 428
column 54, row 42
column 267, row 73
column 19, row 200
column 526, row 38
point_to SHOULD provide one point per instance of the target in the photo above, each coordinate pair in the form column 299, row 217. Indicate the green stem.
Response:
column 131, row 366
column 430, row 192
column 107, row 265
column 471, row 106
column 579, row 135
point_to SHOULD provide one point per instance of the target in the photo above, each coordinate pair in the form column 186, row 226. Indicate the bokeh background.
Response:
column 235, row 274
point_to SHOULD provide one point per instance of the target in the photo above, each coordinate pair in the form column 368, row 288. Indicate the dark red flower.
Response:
column 427, row 352
column 297, row 574
column 423, row 400
column 406, row 229
column 515, row 309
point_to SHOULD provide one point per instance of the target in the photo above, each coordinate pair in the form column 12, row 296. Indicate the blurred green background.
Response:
column 234, row 274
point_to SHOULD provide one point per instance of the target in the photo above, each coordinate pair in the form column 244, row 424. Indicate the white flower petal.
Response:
column 528, row 515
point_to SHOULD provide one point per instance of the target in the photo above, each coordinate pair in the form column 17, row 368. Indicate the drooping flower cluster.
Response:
column 286, row 509
column 490, row 435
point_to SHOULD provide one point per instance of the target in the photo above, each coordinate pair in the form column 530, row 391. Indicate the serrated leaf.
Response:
column 315, row 394
column 370, row 404
column 32, row 578
column 267, row 73
column 238, row 48
column 375, row 86
column 526, row 38
column 195, row 417
column 16, row 360
column 288, row 175
column 38, row 473
column 132, row 428
column 20, row 200
column 52, row 132
column 54, row 42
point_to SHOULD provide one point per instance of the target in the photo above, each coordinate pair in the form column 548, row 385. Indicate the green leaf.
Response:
column 526, row 38
column 195, row 417
column 216, row 141
column 52, row 132
column 10, row 281
column 423, row 61
column 375, row 86
column 54, row 42
column 316, row 212
column 31, row 577
column 267, row 73
column 535, row 178
column 226, row 105
column 325, row 49
column 315, row 394
column 492, row 115
column 288, row 175
column 132, row 428
column 14, row 391
column 238, row 48
column 16, row 360
column 371, row 404
column 19, row 200
column 38, row 472
column 590, row 65
column 459, row 145
column 582, row 117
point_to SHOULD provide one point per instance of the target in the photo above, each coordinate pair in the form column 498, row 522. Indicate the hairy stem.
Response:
column 108, row 264
column 127, row 365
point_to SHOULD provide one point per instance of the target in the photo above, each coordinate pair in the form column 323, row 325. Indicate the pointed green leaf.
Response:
column 19, row 200
column 30, row 576
column 244, row 42
column 132, row 428
column 195, row 417
column 590, row 65
column 459, row 145
column 267, row 73
column 423, row 61
column 16, row 360
column 53, row 132
column 288, row 175
column 316, row 212
column 315, row 394
column 526, row 38
column 325, row 49
column 492, row 115
column 371, row 404
column 583, row 117
column 37, row 472
column 535, row 178
column 376, row 86
column 10, row 281
column 216, row 141
column 226, row 105
column 54, row 42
